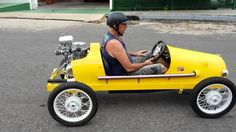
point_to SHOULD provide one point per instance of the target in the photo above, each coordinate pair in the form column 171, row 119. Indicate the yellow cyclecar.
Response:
column 187, row 68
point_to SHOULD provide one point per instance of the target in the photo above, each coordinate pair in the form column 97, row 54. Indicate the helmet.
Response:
column 116, row 18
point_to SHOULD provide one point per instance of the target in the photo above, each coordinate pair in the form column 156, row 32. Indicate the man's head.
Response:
column 118, row 22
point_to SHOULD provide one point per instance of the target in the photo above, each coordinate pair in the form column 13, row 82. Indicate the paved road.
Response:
column 27, row 59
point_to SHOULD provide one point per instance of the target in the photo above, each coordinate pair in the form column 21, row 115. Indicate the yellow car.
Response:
column 83, row 72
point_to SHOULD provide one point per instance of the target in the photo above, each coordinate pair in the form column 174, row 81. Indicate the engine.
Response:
column 71, row 51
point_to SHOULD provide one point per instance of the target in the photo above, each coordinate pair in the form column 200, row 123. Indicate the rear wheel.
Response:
column 213, row 97
column 72, row 104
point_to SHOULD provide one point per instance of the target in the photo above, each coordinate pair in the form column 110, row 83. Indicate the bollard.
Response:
column 234, row 4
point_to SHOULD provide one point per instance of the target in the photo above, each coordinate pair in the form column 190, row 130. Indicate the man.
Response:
column 115, row 53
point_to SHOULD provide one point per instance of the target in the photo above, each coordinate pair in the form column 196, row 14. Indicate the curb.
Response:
column 52, row 19
column 97, row 18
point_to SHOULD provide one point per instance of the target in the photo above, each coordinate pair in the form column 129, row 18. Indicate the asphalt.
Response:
column 27, row 59
column 227, row 15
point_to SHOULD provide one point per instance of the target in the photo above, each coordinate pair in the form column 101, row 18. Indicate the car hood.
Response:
column 188, row 61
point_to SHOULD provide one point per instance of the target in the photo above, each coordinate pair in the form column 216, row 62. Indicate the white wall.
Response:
column 33, row 3
column 14, row 1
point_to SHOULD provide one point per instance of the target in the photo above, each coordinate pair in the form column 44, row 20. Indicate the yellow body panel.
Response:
column 88, row 69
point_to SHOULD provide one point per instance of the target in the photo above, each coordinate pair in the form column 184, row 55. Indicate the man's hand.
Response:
column 148, row 62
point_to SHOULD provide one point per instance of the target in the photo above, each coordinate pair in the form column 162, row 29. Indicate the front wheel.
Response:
column 213, row 97
column 72, row 104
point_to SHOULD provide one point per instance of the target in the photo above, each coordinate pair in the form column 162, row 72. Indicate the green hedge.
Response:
column 170, row 4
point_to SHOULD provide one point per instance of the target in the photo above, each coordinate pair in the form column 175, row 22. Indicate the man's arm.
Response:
column 116, row 50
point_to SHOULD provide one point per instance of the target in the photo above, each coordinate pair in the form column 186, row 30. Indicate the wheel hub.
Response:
column 73, row 104
column 213, row 97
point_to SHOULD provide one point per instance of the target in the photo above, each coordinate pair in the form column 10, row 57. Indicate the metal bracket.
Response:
column 180, row 91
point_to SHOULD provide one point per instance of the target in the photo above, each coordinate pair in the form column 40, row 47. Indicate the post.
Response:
column 34, row 4
column 234, row 5
column 111, row 4
column 172, row 5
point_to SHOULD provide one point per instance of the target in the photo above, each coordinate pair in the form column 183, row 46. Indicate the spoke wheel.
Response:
column 213, row 97
column 72, row 104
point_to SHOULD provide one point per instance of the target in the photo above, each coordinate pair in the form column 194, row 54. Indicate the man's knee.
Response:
column 164, row 69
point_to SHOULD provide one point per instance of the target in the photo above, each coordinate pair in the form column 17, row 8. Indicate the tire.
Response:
column 72, row 104
column 213, row 97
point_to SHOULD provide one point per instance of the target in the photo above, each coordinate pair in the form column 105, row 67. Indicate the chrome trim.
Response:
column 147, row 76
column 59, row 68
column 71, row 80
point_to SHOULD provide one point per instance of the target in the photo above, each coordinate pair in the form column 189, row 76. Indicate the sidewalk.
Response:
column 77, row 11
column 226, row 15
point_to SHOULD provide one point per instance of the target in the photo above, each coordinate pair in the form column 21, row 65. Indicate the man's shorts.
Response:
column 149, row 69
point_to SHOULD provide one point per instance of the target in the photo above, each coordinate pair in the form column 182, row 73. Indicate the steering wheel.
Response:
column 158, row 50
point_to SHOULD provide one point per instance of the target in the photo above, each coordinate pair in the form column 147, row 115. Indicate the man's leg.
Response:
column 150, row 70
column 163, row 62
column 153, row 69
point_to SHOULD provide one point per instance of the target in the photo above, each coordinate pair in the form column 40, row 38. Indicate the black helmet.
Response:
column 116, row 18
